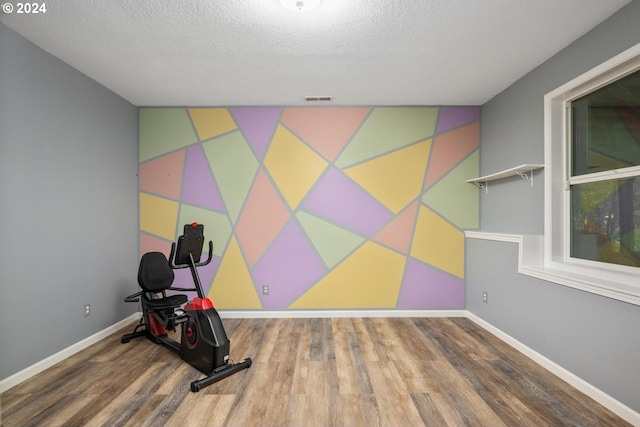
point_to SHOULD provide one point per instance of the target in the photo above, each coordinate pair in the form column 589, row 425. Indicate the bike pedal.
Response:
column 180, row 316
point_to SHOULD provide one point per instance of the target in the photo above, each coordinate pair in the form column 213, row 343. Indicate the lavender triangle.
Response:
column 425, row 287
column 453, row 117
column 338, row 199
column 199, row 187
column 257, row 125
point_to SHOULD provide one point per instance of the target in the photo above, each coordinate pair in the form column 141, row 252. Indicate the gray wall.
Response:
column 594, row 337
column 68, row 205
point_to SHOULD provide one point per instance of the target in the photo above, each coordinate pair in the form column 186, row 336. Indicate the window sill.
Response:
column 621, row 286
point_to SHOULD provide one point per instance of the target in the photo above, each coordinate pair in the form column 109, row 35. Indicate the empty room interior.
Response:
column 421, row 213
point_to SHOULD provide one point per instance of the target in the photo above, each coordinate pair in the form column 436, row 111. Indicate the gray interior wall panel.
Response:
column 68, row 205
column 591, row 336
column 512, row 126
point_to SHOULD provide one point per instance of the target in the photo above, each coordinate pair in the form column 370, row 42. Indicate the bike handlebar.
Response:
column 196, row 264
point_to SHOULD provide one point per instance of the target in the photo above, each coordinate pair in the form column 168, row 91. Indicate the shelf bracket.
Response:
column 527, row 176
column 483, row 186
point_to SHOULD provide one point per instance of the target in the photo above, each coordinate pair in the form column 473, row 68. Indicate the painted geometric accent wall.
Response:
column 332, row 208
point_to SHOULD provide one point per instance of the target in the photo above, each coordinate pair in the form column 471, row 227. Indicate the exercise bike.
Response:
column 204, row 343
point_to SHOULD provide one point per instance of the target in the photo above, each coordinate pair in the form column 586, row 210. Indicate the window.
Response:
column 592, row 180
column 604, row 144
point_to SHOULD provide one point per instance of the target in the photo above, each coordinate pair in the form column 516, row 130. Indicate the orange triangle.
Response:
column 449, row 149
column 397, row 234
column 162, row 175
column 327, row 130
column 263, row 216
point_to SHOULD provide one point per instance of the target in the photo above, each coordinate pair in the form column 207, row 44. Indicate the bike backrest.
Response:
column 154, row 273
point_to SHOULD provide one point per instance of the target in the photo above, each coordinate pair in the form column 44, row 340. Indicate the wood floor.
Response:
column 310, row 372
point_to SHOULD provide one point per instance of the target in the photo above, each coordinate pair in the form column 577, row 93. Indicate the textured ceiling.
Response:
column 361, row 52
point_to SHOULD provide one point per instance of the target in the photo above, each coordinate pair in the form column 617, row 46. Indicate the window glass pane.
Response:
column 606, row 127
column 605, row 221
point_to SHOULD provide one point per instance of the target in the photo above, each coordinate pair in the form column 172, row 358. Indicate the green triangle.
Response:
column 455, row 199
column 387, row 129
column 333, row 243
column 234, row 167
column 163, row 130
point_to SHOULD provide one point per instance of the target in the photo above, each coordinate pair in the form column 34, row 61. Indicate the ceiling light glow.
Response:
column 300, row 5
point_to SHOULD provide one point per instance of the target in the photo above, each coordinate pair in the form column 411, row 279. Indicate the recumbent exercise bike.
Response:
column 204, row 343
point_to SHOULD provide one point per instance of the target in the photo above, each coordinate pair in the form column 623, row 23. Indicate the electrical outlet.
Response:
column 265, row 289
column 485, row 297
column 87, row 310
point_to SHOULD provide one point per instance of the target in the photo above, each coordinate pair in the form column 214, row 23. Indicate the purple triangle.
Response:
column 337, row 198
column 257, row 125
column 290, row 267
column 199, row 187
column 425, row 287
column 452, row 117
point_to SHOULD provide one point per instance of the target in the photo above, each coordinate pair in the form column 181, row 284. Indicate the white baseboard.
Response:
column 285, row 314
column 596, row 394
column 40, row 366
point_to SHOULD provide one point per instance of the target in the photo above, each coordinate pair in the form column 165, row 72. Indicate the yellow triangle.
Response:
column 233, row 286
column 438, row 243
column 396, row 178
column 293, row 166
column 158, row 215
column 370, row 278
column 210, row 122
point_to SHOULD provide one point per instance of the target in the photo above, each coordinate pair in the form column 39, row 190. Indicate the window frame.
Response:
column 612, row 280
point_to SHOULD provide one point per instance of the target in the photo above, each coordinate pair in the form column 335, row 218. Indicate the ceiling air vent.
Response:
column 318, row 98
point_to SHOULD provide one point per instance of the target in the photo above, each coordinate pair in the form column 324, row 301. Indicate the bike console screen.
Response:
column 190, row 243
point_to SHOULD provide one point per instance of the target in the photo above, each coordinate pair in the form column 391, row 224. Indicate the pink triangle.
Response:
column 149, row 243
column 163, row 175
column 397, row 234
column 326, row 129
column 263, row 216
column 449, row 149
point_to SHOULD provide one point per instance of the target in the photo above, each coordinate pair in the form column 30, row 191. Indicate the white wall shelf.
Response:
column 524, row 171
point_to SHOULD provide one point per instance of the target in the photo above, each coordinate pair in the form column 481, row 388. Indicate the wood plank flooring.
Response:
column 310, row 372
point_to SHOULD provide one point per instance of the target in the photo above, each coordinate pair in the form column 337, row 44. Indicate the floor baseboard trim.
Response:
column 288, row 314
column 596, row 394
column 40, row 366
